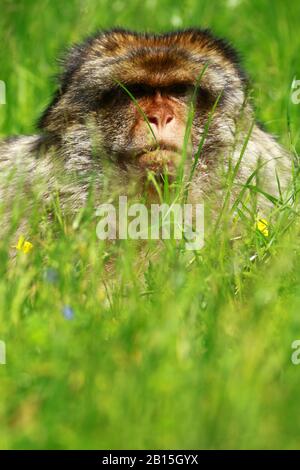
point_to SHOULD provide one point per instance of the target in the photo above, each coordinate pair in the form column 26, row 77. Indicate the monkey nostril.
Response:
column 169, row 118
column 154, row 120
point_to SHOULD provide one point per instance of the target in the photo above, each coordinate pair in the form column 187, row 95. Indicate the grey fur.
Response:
column 80, row 130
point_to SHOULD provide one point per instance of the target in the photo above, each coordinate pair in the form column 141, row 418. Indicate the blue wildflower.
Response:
column 68, row 312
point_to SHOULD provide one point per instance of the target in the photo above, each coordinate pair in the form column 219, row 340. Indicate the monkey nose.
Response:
column 160, row 120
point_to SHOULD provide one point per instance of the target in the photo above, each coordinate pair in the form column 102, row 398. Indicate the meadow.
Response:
column 179, row 350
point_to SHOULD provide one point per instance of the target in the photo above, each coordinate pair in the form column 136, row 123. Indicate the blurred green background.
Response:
column 177, row 354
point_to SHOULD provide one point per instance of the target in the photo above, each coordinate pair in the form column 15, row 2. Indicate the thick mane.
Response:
column 109, row 46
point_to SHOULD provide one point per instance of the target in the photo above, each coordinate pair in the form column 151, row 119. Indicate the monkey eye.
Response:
column 180, row 90
column 140, row 90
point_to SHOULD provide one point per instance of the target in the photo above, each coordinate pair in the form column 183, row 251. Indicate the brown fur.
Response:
column 92, row 120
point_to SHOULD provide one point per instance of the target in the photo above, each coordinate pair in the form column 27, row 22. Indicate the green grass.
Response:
column 172, row 351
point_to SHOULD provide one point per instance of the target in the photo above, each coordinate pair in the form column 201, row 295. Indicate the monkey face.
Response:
column 155, row 123
column 136, row 92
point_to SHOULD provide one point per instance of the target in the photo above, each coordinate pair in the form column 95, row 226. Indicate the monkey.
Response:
column 125, row 100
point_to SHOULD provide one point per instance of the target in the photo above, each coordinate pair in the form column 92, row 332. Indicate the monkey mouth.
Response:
column 162, row 160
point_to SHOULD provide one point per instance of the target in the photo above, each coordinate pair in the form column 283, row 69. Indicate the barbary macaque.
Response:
column 128, row 99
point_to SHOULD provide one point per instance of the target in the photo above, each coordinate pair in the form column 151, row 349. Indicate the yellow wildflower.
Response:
column 20, row 242
column 262, row 226
column 24, row 245
column 27, row 247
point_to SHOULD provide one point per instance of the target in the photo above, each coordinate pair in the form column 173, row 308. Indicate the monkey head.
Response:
column 135, row 92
